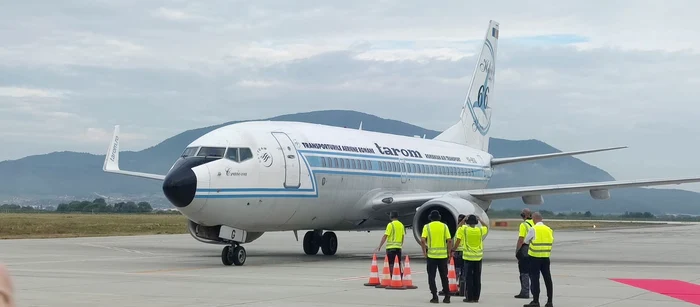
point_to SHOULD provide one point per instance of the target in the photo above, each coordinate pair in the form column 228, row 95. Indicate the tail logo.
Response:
column 480, row 110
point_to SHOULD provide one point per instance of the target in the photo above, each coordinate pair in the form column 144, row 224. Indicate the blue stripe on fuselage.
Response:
column 315, row 167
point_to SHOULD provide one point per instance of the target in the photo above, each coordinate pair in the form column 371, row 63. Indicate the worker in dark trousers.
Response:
column 471, row 237
column 436, row 243
column 521, row 249
column 457, row 256
column 540, row 239
column 394, row 234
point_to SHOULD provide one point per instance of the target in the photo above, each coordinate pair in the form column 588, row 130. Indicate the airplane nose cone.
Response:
column 179, row 186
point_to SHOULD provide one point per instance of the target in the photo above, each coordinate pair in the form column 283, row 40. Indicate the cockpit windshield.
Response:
column 189, row 152
column 211, row 152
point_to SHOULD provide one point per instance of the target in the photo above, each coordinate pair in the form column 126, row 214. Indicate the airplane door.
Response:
column 292, row 169
column 404, row 170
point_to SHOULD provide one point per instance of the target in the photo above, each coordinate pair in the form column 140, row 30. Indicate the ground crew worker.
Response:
column 457, row 255
column 393, row 236
column 521, row 254
column 471, row 238
column 540, row 239
column 436, row 243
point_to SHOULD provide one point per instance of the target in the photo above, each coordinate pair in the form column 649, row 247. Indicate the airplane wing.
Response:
column 111, row 164
column 499, row 161
column 529, row 194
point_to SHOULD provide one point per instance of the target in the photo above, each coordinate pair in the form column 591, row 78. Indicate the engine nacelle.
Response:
column 450, row 208
column 210, row 234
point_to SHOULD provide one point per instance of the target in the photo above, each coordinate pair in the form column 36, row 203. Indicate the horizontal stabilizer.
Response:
column 499, row 161
column 111, row 164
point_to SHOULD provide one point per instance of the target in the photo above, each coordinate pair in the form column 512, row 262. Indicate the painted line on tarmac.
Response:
column 367, row 277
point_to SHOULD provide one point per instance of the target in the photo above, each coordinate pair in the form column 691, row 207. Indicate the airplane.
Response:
column 242, row 180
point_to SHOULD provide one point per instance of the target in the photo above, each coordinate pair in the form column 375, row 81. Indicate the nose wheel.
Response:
column 234, row 254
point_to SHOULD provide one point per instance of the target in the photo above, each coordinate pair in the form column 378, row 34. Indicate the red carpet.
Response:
column 677, row 289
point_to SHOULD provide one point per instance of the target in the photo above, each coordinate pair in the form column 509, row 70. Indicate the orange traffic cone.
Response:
column 386, row 280
column 452, row 277
column 373, row 273
column 396, row 283
column 407, row 281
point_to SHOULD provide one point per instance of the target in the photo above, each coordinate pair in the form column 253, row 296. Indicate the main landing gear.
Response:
column 233, row 254
column 328, row 242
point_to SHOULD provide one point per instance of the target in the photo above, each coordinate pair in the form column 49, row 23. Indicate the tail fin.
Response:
column 475, row 119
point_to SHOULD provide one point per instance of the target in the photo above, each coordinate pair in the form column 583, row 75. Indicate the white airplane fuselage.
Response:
column 309, row 176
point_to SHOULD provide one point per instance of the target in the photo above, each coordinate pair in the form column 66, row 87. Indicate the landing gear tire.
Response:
column 233, row 255
column 329, row 243
column 311, row 243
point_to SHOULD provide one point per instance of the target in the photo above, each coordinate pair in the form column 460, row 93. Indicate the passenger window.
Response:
column 342, row 163
column 364, row 164
column 353, row 164
column 189, row 152
column 335, row 162
column 244, row 154
column 384, row 166
column 323, row 162
column 211, row 152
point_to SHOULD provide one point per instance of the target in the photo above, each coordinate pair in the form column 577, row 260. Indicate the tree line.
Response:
column 98, row 205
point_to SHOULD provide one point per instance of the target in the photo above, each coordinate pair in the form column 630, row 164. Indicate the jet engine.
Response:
column 450, row 208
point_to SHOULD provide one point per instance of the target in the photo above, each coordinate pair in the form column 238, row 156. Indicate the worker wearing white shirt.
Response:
column 540, row 239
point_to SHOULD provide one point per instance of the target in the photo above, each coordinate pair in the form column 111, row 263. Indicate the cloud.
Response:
column 571, row 74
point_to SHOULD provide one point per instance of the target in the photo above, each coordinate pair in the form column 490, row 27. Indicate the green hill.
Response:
column 72, row 174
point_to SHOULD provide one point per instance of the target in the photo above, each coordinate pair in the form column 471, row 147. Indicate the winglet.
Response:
column 360, row 125
column 111, row 164
column 112, row 156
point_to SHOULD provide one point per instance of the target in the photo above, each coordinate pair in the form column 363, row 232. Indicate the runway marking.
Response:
column 116, row 248
column 367, row 277
column 677, row 289
column 172, row 270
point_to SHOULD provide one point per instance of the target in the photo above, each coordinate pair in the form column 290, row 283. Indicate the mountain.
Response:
column 66, row 175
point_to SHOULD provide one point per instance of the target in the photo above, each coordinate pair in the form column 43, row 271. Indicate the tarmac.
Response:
column 176, row 270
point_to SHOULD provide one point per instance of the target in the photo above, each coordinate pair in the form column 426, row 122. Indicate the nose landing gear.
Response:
column 234, row 254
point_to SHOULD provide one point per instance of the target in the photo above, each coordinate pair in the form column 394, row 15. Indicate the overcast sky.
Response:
column 576, row 76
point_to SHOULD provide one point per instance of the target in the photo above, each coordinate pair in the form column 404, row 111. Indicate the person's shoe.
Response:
column 549, row 304
column 532, row 304
column 525, row 296
column 446, row 300
column 434, row 300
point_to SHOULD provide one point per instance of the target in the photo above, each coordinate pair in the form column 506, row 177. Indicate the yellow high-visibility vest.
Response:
column 473, row 243
column 436, row 234
column 541, row 245
column 460, row 248
column 395, row 233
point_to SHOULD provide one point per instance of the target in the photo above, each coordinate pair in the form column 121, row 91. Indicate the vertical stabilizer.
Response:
column 475, row 118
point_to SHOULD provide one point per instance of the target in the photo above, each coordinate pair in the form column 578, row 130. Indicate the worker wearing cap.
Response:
column 471, row 237
column 436, row 243
column 541, row 239
column 521, row 249
column 393, row 236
